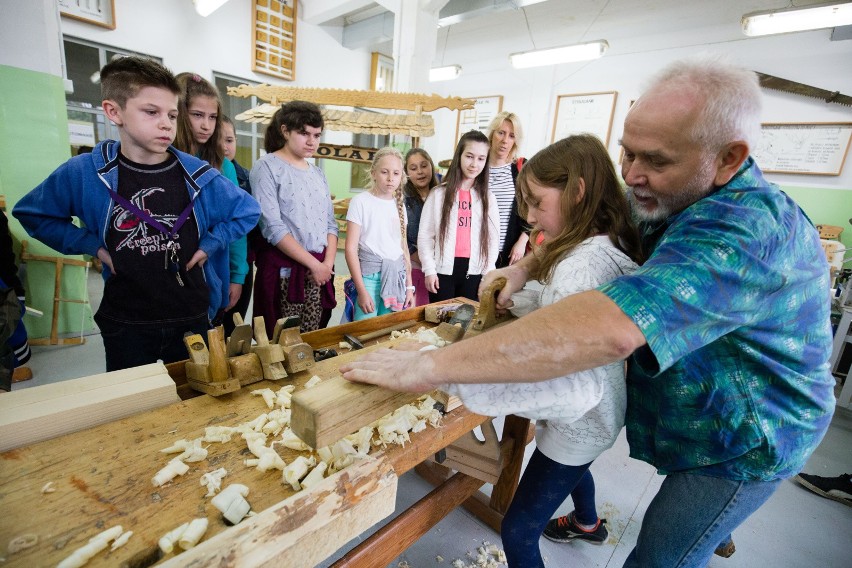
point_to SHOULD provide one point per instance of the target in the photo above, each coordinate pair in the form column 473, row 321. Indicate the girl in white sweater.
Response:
column 459, row 233
column 571, row 196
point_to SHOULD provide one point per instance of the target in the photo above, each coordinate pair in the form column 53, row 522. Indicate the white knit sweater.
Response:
column 578, row 415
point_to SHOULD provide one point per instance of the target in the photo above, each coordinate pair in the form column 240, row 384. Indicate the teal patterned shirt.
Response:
column 734, row 304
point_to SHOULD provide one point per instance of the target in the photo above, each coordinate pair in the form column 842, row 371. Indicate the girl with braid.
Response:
column 376, row 249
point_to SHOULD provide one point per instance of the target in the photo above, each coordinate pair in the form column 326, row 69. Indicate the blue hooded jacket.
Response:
column 79, row 187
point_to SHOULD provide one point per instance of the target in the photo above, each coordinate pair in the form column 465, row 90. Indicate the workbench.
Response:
column 102, row 478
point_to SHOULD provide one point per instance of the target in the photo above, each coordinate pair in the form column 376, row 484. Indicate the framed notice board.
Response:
column 274, row 38
column 480, row 116
column 811, row 148
column 584, row 112
column 97, row 12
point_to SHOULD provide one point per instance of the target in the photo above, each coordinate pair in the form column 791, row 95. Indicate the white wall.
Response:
column 531, row 93
column 29, row 36
column 172, row 30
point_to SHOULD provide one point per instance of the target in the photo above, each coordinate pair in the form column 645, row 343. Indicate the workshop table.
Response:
column 102, row 478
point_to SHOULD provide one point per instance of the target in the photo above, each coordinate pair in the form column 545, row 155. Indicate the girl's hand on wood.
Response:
column 432, row 284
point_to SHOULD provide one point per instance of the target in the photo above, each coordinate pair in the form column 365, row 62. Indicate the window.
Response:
column 249, row 135
column 83, row 62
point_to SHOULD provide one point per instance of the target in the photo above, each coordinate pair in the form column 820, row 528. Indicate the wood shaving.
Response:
column 48, row 487
column 22, row 542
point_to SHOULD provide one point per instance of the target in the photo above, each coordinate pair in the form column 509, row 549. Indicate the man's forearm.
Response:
column 580, row 332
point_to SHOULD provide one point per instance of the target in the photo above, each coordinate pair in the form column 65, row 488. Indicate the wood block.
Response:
column 40, row 413
column 323, row 414
column 306, row 528
column 246, row 368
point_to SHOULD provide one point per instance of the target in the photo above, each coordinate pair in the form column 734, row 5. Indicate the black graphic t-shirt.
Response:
column 142, row 292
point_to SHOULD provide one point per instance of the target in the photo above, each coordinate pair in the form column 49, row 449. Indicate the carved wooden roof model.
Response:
column 360, row 122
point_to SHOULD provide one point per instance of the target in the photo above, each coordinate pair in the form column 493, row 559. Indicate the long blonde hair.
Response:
column 497, row 122
column 397, row 194
column 601, row 208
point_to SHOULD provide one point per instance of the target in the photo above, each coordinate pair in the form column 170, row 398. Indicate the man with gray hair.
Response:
column 726, row 326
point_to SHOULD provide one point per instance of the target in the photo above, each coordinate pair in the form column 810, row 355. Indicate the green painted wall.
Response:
column 826, row 207
column 33, row 142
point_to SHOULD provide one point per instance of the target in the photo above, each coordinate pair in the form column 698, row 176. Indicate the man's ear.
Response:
column 729, row 160
column 112, row 111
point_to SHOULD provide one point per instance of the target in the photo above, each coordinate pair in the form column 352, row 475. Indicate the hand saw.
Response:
column 788, row 86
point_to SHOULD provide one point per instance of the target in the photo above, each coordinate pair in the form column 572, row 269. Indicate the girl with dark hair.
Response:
column 420, row 171
column 459, row 226
column 295, row 257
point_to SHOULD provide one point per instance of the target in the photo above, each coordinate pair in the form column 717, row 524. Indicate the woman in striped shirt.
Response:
column 505, row 135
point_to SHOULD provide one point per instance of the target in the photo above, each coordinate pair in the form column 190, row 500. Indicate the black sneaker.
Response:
column 565, row 529
column 837, row 488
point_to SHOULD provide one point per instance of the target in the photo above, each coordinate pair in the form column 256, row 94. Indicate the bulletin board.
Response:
column 480, row 116
column 584, row 112
column 274, row 38
column 810, row 148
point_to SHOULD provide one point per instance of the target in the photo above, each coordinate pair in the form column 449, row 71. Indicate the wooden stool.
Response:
column 57, row 296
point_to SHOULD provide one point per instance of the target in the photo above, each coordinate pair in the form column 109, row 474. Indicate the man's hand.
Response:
column 105, row 258
column 404, row 371
column 234, row 292
column 199, row 258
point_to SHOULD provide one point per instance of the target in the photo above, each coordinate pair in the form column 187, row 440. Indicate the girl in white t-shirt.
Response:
column 569, row 193
column 376, row 250
column 459, row 233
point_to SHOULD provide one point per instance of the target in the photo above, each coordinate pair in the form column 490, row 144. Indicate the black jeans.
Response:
column 128, row 346
column 458, row 283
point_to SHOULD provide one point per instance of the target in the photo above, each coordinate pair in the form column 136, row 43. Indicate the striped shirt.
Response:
column 502, row 187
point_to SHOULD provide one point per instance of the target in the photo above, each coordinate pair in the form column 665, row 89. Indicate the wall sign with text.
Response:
column 812, row 148
column 97, row 12
column 585, row 112
column 480, row 116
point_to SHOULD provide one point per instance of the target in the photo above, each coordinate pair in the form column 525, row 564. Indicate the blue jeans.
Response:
column 691, row 515
column 542, row 489
column 128, row 346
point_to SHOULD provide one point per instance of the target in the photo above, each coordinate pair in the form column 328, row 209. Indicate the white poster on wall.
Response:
column 81, row 133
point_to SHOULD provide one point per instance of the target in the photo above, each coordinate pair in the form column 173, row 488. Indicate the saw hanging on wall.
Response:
column 788, row 86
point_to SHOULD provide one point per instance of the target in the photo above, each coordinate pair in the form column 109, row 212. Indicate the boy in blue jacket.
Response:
column 160, row 220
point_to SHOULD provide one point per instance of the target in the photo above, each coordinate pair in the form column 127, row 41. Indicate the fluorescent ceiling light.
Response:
column 553, row 56
column 444, row 73
column 797, row 19
column 207, row 7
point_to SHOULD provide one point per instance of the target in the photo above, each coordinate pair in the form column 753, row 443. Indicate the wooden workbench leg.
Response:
column 393, row 538
column 517, row 429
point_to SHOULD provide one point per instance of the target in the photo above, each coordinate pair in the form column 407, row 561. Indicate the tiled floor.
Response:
column 794, row 529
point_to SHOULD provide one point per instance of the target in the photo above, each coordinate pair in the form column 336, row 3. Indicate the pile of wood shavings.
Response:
column 487, row 556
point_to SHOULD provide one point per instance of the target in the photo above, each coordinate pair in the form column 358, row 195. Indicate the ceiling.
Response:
column 470, row 29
